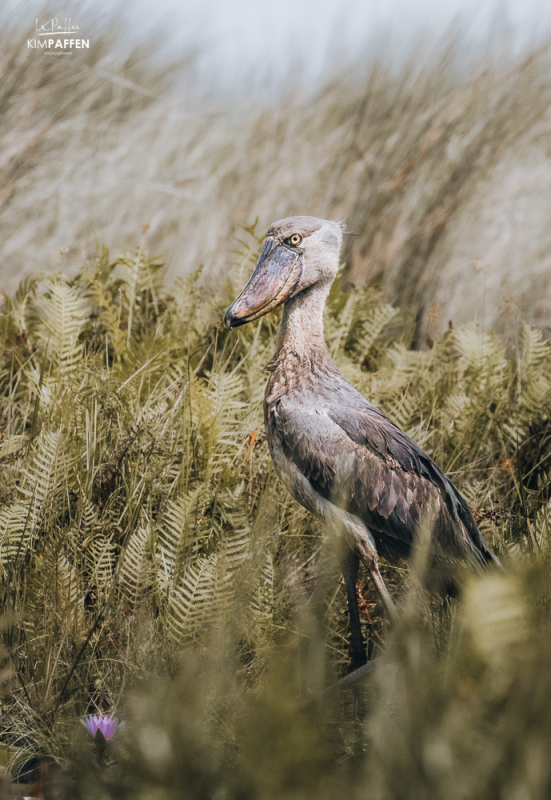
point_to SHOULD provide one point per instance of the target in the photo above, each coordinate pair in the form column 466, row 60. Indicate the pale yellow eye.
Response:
column 295, row 239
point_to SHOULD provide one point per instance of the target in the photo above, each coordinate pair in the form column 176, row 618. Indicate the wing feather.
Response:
column 355, row 457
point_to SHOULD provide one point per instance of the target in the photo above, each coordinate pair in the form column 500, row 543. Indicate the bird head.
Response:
column 298, row 252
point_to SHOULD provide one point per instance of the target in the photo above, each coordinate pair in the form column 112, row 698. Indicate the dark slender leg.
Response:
column 350, row 565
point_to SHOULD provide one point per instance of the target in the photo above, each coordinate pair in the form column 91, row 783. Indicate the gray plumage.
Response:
column 354, row 457
column 336, row 453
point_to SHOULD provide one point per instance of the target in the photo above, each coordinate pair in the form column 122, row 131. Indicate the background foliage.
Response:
column 153, row 567
column 437, row 155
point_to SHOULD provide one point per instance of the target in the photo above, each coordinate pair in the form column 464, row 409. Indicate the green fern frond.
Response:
column 262, row 601
column 455, row 413
column 101, row 559
column 16, row 534
column 191, row 602
column 337, row 328
column 181, row 532
column 482, row 354
column 369, row 329
column 136, row 566
column 64, row 315
column 534, row 350
column 50, row 474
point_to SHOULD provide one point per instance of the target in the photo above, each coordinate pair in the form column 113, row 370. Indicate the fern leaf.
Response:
column 65, row 313
column 262, row 601
column 191, row 600
column 136, row 576
column 16, row 534
column 49, row 474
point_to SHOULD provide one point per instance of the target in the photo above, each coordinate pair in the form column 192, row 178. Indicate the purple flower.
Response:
column 107, row 725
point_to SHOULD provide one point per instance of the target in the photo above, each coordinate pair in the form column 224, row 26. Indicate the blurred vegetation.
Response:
column 439, row 163
column 154, row 568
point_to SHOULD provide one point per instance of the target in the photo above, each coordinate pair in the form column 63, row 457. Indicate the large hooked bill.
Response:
column 273, row 281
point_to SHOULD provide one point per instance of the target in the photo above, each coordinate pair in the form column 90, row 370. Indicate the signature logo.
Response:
column 54, row 29
column 53, row 26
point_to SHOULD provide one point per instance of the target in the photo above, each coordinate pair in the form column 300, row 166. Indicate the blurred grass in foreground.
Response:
column 153, row 567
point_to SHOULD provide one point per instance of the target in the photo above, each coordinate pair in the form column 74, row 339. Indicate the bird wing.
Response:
column 355, row 457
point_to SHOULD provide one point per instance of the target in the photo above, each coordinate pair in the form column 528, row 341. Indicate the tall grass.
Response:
column 154, row 568
column 439, row 165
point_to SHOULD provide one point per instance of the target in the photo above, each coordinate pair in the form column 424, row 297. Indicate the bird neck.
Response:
column 301, row 331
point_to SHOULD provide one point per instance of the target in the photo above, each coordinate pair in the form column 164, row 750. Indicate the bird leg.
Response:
column 350, row 564
column 368, row 554
column 384, row 594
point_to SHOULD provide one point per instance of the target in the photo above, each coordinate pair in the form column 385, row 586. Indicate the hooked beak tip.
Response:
column 228, row 319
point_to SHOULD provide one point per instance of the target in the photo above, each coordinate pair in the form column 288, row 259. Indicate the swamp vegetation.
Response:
column 154, row 568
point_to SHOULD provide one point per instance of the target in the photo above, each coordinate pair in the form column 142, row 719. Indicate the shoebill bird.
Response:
column 336, row 453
